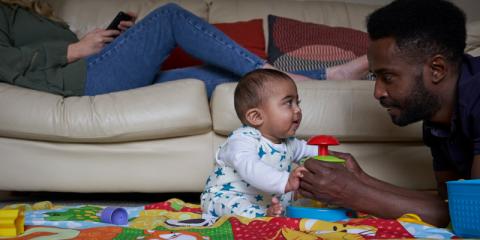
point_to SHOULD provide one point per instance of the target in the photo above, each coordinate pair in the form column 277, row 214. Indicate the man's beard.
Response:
column 419, row 105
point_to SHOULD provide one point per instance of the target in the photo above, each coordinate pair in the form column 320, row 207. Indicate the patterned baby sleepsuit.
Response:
column 249, row 171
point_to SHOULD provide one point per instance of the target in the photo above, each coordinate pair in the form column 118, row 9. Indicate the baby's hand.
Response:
column 294, row 179
column 276, row 209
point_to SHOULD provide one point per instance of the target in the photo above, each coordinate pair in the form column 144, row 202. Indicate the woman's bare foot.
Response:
column 353, row 70
column 295, row 77
column 276, row 209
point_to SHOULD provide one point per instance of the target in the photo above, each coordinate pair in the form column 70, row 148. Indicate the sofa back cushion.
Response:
column 473, row 38
column 248, row 34
column 345, row 109
column 85, row 15
column 340, row 14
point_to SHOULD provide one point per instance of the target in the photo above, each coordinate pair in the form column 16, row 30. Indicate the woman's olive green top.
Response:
column 33, row 53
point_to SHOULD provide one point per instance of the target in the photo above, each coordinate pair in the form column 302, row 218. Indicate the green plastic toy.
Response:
column 323, row 141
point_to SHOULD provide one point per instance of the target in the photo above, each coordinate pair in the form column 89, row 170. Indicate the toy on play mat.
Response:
column 114, row 215
column 12, row 222
column 308, row 208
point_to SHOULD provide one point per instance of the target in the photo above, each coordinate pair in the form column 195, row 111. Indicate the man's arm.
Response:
column 442, row 178
column 476, row 167
column 350, row 188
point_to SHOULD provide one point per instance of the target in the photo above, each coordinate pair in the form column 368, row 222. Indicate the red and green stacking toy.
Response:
column 323, row 141
column 326, row 214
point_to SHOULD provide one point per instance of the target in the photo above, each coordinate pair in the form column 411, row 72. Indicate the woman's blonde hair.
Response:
column 39, row 7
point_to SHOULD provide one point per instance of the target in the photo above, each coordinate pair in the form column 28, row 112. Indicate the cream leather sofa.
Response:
column 162, row 138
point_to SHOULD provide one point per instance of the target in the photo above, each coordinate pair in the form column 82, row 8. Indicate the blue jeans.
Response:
column 134, row 58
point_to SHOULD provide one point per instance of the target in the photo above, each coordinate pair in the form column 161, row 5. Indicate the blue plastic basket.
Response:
column 464, row 207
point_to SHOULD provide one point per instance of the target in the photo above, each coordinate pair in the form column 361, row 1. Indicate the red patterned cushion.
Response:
column 248, row 34
column 295, row 45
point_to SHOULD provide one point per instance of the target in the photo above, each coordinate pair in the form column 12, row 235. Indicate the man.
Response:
column 416, row 54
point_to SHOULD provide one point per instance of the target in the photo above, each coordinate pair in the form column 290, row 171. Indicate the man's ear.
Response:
column 254, row 117
column 439, row 68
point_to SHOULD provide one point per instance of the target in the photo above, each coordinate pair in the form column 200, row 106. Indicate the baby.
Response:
column 252, row 175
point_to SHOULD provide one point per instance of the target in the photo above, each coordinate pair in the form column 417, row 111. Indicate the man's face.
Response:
column 400, row 84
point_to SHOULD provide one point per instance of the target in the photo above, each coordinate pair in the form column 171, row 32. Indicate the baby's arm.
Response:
column 301, row 149
column 242, row 155
column 294, row 179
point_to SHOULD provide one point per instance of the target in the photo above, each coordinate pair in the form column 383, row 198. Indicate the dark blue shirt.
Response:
column 453, row 147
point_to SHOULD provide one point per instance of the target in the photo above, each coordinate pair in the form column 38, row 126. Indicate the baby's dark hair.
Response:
column 422, row 28
column 252, row 88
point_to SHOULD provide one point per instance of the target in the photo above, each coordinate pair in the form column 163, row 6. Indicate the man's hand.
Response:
column 350, row 163
column 90, row 44
column 331, row 182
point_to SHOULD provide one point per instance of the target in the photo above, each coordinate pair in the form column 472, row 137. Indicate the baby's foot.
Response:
column 276, row 209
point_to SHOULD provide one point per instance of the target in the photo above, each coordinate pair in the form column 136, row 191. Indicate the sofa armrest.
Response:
column 171, row 109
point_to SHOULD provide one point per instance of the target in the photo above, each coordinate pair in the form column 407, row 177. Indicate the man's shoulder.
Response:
column 469, row 83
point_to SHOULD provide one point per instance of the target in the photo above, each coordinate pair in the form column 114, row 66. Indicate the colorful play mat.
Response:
column 175, row 219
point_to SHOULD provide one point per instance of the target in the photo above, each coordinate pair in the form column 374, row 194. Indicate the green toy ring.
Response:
column 330, row 159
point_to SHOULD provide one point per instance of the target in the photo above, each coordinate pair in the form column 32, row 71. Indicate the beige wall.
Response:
column 471, row 7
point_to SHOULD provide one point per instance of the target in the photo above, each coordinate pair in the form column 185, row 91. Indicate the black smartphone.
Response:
column 121, row 16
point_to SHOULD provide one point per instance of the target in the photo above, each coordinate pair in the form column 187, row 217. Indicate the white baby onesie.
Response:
column 249, row 171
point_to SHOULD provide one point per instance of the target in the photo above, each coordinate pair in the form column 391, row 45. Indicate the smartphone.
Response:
column 121, row 16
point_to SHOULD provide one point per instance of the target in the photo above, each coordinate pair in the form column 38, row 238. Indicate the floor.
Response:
column 105, row 199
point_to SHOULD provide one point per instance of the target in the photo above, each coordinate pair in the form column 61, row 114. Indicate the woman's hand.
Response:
column 90, row 44
column 124, row 25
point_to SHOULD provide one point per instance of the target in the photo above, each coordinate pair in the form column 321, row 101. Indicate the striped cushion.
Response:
column 295, row 45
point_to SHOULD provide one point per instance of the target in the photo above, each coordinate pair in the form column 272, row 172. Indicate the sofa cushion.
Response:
column 295, row 45
column 341, row 14
column 91, row 14
column 345, row 109
column 248, row 34
column 473, row 38
column 180, row 164
column 164, row 110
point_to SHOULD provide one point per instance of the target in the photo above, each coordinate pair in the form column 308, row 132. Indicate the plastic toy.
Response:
column 307, row 209
column 463, row 204
column 114, row 215
column 323, row 141
column 325, row 214
column 12, row 222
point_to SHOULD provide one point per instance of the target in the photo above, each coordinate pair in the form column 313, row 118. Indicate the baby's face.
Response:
column 282, row 113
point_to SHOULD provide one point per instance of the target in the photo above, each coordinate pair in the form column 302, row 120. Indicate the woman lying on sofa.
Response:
column 49, row 57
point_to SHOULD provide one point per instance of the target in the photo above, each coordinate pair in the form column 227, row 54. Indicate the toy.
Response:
column 307, row 208
column 114, row 215
column 463, row 204
column 323, row 141
column 11, row 222
column 325, row 214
